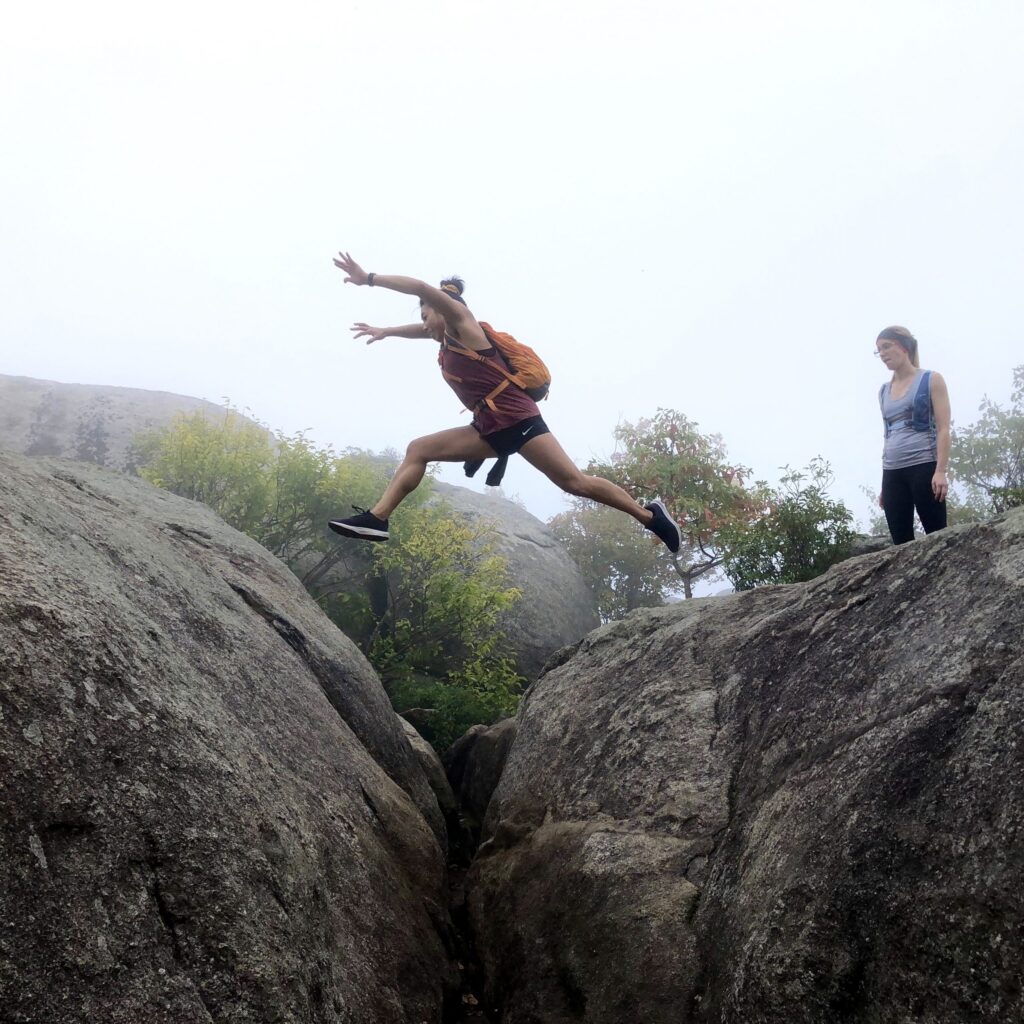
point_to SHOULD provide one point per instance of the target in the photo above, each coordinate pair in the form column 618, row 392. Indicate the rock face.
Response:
column 434, row 773
column 557, row 607
column 208, row 810
column 86, row 422
column 797, row 804
column 868, row 545
column 474, row 763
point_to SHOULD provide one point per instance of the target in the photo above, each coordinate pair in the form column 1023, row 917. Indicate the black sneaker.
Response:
column 663, row 526
column 365, row 526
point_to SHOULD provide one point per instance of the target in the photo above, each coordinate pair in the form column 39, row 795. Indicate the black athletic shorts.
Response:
column 511, row 439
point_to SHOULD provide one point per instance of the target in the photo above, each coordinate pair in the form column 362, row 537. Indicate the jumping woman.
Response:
column 915, row 410
column 506, row 420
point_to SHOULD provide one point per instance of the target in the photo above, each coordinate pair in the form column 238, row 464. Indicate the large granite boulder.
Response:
column 87, row 422
column 557, row 606
column 798, row 804
column 208, row 809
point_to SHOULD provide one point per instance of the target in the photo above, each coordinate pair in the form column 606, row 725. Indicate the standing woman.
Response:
column 915, row 410
column 506, row 420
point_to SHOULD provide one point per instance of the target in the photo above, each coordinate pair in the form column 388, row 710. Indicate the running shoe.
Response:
column 663, row 526
column 364, row 526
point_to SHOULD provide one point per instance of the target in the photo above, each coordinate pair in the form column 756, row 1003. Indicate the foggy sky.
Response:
column 707, row 207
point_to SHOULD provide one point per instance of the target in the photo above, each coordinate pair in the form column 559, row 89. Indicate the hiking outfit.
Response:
column 500, row 386
column 504, row 414
column 909, row 459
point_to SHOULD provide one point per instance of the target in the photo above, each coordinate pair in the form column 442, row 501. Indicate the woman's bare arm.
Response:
column 458, row 318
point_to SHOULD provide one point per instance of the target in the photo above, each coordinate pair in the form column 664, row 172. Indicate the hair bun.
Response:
column 454, row 286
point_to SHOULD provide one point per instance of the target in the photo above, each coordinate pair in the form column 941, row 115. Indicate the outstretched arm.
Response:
column 373, row 334
column 456, row 315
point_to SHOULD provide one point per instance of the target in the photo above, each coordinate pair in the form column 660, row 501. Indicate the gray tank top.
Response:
column 905, row 446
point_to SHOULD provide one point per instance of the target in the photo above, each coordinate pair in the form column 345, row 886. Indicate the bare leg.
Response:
column 547, row 455
column 456, row 445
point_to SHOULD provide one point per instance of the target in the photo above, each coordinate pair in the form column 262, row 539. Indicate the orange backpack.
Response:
column 528, row 370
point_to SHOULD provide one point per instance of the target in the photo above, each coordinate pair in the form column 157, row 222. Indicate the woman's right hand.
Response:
column 355, row 273
column 371, row 334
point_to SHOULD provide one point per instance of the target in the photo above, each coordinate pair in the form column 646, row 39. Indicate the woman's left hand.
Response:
column 940, row 486
column 354, row 273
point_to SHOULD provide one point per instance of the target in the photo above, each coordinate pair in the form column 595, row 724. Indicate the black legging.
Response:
column 903, row 490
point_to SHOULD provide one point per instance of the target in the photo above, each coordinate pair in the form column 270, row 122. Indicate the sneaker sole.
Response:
column 359, row 532
column 679, row 533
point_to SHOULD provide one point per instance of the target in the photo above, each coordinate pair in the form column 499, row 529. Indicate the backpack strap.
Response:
column 921, row 411
column 488, row 400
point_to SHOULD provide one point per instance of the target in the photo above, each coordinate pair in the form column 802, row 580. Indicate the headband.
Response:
column 453, row 291
column 908, row 341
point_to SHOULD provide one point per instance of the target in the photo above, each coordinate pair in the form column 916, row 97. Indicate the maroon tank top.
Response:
column 476, row 381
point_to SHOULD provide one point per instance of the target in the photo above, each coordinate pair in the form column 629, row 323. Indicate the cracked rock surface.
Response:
column 798, row 804
column 208, row 810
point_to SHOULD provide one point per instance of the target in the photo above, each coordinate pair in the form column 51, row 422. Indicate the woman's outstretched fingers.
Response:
column 356, row 274
column 371, row 334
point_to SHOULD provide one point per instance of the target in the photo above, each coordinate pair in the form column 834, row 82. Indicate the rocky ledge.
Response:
column 798, row 804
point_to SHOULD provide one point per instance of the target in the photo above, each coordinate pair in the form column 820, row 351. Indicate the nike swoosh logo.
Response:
column 526, row 431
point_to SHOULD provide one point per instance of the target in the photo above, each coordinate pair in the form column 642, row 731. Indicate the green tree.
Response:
column 225, row 463
column 987, row 457
column 801, row 533
column 623, row 565
column 439, row 649
column 279, row 490
column 667, row 456
column 446, row 588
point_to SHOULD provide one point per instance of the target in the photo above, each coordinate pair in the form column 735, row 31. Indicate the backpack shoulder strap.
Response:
column 498, row 364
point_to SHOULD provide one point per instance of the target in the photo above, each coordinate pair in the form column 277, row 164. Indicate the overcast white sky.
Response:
column 712, row 207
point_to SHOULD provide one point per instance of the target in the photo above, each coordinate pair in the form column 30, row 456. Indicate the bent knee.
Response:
column 417, row 451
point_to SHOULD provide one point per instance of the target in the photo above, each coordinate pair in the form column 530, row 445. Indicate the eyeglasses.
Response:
column 882, row 349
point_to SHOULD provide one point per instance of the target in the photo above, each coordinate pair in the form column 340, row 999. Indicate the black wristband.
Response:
column 369, row 279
